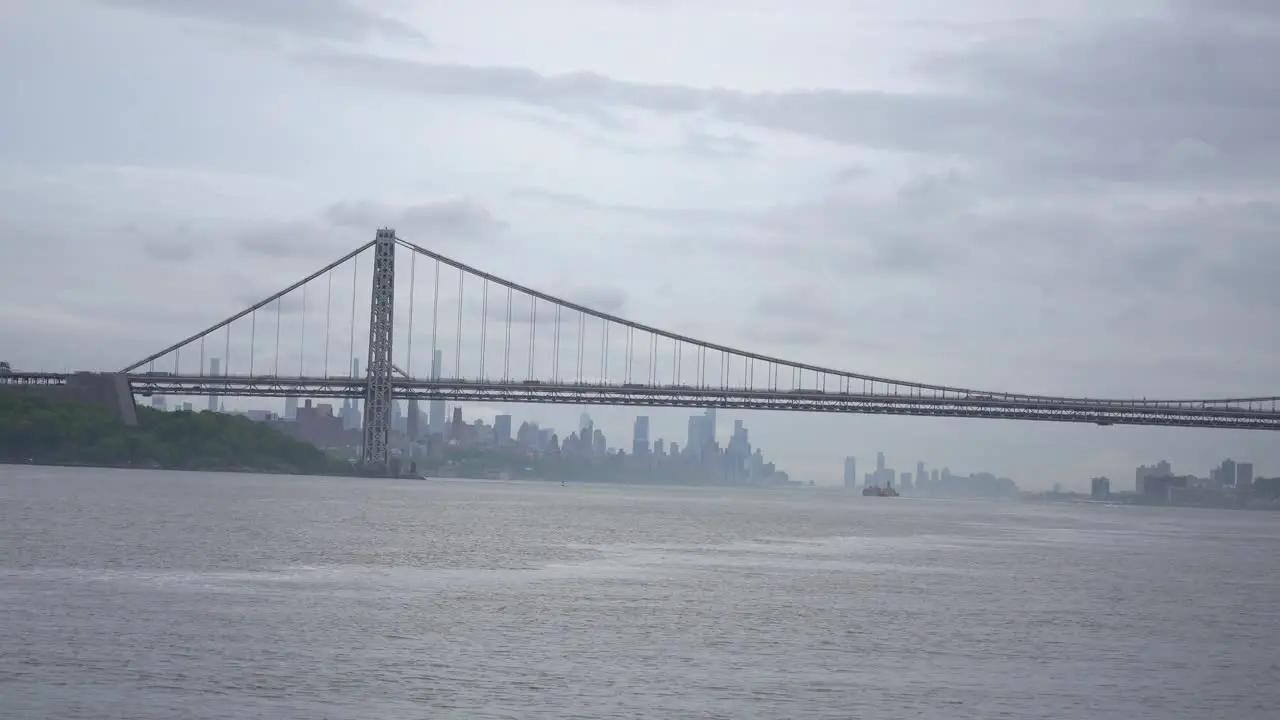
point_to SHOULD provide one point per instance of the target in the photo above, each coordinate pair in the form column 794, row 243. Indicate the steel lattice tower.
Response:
column 377, row 403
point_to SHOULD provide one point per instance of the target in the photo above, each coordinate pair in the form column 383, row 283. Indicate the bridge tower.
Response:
column 377, row 403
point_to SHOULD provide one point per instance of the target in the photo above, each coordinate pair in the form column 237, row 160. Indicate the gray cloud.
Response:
column 788, row 334
column 449, row 220
column 684, row 217
column 795, row 304
column 857, row 118
column 328, row 19
column 610, row 300
column 1247, row 12
column 1172, row 99
column 850, row 174
column 346, row 225
column 702, row 144
column 176, row 246
column 606, row 299
column 282, row 239
column 290, row 304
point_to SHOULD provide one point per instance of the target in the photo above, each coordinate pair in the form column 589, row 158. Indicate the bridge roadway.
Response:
column 1237, row 414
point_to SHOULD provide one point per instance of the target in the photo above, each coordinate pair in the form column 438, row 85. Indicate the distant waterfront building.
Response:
column 640, row 438
column 435, row 409
column 1244, row 475
column 502, row 429
column 1100, row 488
column 1160, row 469
column 456, row 431
column 215, row 369
column 413, row 427
column 850, row 472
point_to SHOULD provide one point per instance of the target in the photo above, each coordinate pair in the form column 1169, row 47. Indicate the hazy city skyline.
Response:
column 969, row 200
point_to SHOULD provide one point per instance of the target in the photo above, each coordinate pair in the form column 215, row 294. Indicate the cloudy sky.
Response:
column 1061, row 196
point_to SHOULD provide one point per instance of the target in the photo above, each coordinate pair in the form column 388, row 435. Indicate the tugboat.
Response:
column 877, row 491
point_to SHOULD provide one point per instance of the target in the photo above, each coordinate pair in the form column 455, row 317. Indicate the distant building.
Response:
column 1244, row 475
column 502, row 429
column 215, row 369
column 456, row 430
column 435, row 408
column 850, row 472
column 1159, row 488
column 1225, row 474
column 413, row 426
column 1267, row 488
column 640, row 437
column 1144, row 472
column 319, row 426
column 1100, row 488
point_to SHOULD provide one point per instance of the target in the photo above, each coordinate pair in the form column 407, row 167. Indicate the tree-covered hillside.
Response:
column 39, row 430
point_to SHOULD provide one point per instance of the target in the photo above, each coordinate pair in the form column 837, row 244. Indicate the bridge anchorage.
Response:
column 565, row 352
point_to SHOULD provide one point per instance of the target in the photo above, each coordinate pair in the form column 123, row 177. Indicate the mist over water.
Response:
column 159, row 595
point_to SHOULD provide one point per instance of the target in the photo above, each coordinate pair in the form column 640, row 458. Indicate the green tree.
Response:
column 35, row 428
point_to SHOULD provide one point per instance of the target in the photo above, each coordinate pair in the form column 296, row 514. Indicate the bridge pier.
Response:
column 377, row 404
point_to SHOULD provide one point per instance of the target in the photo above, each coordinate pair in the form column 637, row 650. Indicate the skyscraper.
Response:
column 640, row 438
column 355, row 420
column 435, row 411
column 850, row 472
column 502, row 429
column 291, row 408
column 693, row 444
column 456, row 430
column 412, row 428
column 215, row 369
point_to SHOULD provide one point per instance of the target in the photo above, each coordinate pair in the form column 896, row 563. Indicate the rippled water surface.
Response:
column 173, row 595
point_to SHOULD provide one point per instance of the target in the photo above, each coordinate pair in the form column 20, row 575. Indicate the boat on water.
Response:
column 877, row 491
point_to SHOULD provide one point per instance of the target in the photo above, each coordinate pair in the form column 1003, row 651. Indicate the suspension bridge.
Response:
column 514, row 344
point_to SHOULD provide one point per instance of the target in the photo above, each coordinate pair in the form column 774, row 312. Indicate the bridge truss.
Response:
column 1183, row 414
column 513, row 344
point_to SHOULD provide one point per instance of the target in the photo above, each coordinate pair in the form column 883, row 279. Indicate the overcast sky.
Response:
column 1064, row 196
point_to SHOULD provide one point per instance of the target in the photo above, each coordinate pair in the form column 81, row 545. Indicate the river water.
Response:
column 182, row 595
